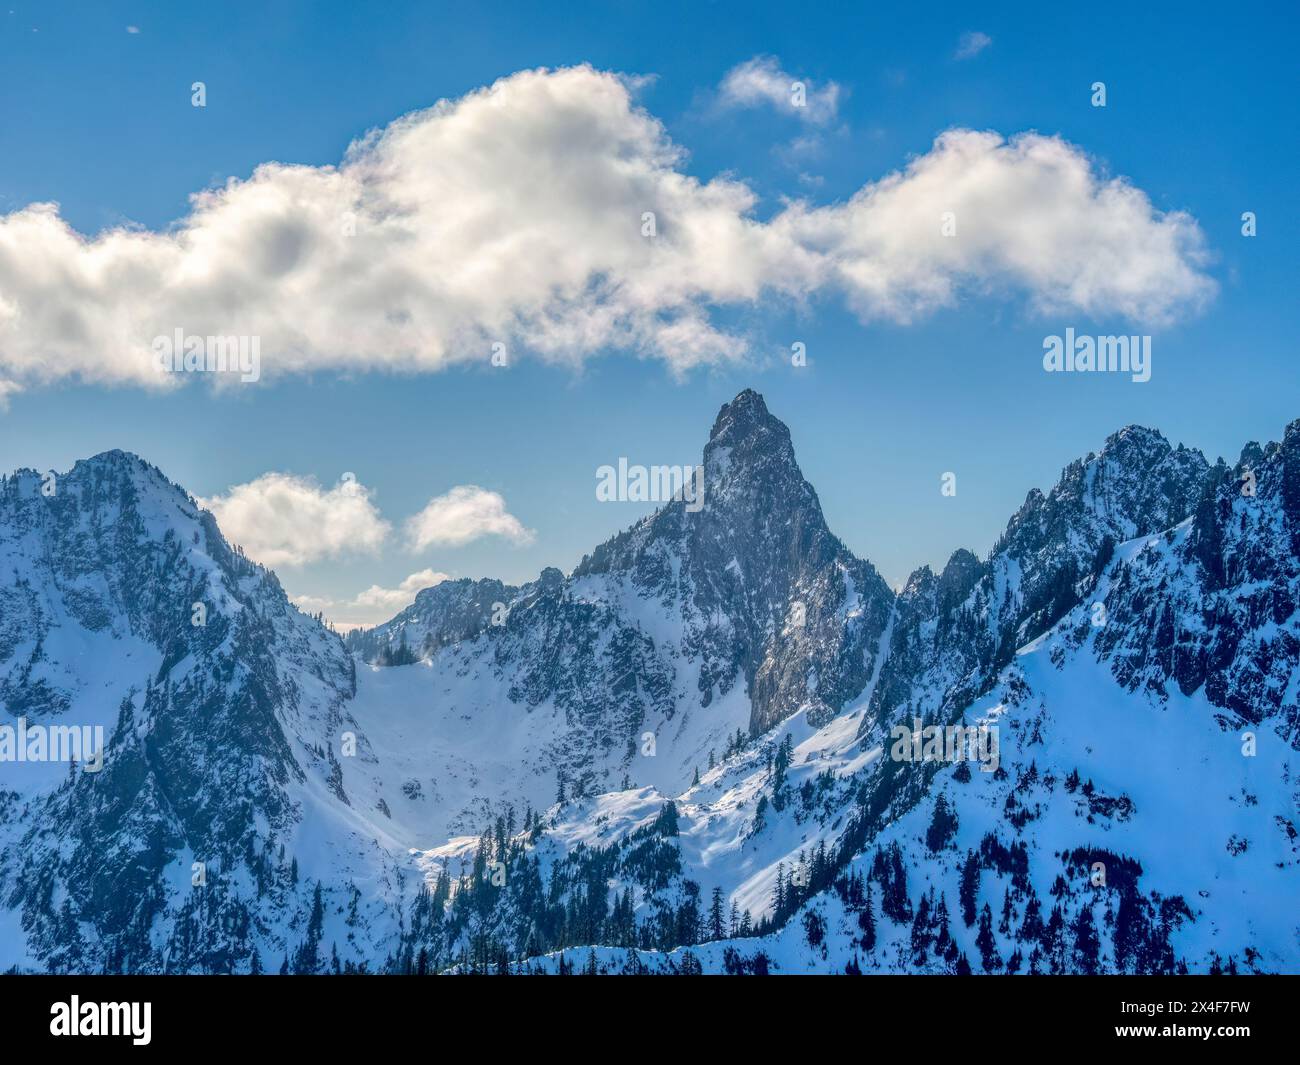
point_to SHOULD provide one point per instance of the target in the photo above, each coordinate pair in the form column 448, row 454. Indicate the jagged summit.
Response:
column 116, row 456
column 767, row 663
column 114, row 465
column 744, row 414
column 738, row 568
column 1135, row 435
column 747, row 437
column 116, row 462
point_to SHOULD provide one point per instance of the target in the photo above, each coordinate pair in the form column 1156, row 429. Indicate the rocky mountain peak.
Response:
column 1135, row 437
column 744, row 414
column 748, row 441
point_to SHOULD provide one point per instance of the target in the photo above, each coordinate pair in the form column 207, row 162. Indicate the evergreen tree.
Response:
column 1054, row 941
column 989, row 957
column 717, row 930
column 970, row 884
column 784, row 753
column 1031, row 927
column 942, row 930
column 921, row 932
column 309, row 953
column 867, row 923
column 814, row 927
column 888, row 870
column 1086, row 944
column 1004, row 925
column 1131, row 929
column 399, row 656
column 688, row 915
column 943, row 825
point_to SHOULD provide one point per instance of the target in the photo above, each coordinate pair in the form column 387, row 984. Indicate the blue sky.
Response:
column 1200, row 116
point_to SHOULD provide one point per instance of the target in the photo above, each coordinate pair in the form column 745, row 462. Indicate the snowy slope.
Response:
column 1162, row 782
column 221, row 738
column 728, row 795
column 663, row 644
column 1134, row 703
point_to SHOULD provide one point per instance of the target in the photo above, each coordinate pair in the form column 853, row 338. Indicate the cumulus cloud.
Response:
column 516, row 214
column 1030, row 213
column 971, row 44
column 374, row 605
column 394, row 599
column 761, row 82
column 281, row 520
column 464, row 514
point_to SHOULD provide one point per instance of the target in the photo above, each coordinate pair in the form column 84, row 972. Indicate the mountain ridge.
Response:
column 663, row 717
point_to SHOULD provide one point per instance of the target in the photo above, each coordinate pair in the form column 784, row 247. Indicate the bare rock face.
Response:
column 768, row 594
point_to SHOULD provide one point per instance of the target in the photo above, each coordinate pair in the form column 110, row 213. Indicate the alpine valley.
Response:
column 680, row 757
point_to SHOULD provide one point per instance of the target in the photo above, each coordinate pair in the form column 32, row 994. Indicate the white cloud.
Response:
column 462, row 515
column 515, row 214
column 761, row 81
column 394, row 599
column 281, row 520
column 372, row 606
column 1030, row 214
column 972, row 43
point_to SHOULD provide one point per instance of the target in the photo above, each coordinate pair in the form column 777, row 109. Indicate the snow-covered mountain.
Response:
column 663, row 644
column 219, row 803
column 957, row 629
column 682, row 755
column 444, row 614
